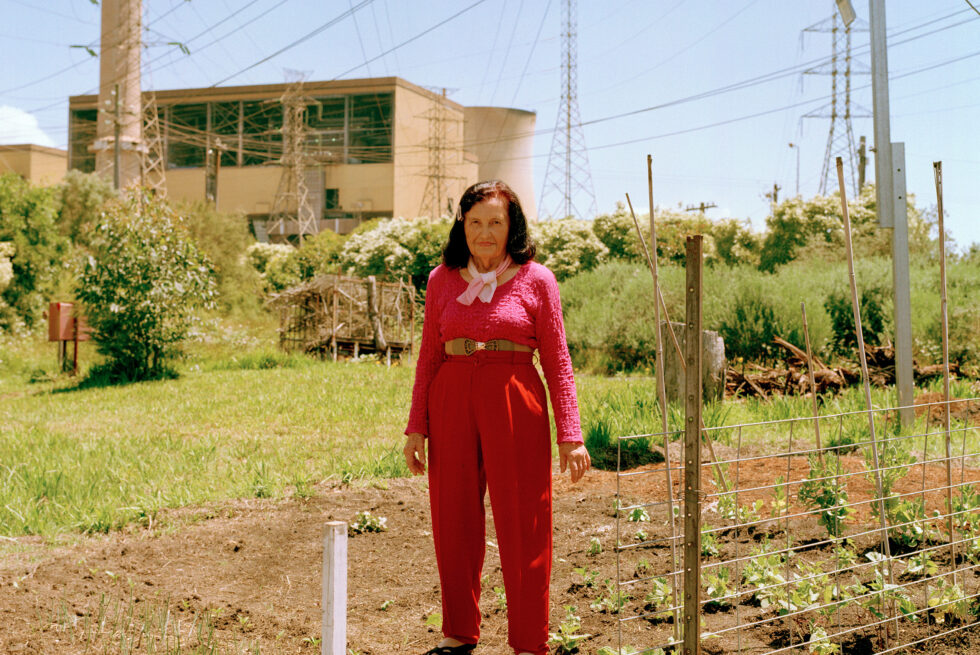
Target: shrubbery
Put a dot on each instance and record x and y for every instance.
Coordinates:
(140, 286)
(396, 249)
(567, 246)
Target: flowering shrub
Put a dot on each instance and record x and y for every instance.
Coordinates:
(275, 263)
(139, 287)
(396, 249)
(568, 246)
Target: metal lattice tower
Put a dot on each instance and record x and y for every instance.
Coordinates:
(154, 166)
(840, 111)
(293, 202)
(567, 176)
(436, 200)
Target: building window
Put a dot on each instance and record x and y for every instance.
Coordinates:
(331, 199)
(82, 125)
(187, 130)
(369, 128)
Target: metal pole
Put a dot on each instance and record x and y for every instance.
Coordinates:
(692, 451)
(891, 209)
(796, 146)
(334, 626)
(902, 282)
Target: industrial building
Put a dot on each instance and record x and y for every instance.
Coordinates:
(39, 165)
(345, 151)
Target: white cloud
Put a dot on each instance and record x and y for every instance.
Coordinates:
(17, 126)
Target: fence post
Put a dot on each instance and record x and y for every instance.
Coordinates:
(334, 601)
(692, 450)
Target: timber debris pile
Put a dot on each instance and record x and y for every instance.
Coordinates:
(754, 380)
(333, 315)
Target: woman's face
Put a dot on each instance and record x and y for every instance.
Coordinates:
(486, 226)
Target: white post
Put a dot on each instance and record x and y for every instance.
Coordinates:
(334, 627)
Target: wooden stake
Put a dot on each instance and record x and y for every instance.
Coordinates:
(856, 306)
(813, 386)
(333, 326)
(938, 170)
(334, 583)
(692, 451)
(677, 348)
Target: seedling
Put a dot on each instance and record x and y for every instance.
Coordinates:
(717, 586)
(922, 565)
(820, 643)
(780, 498)
(659, 597)
(638, 514)
(947, 601)
(566, 639)
(823, 491)
(501, 596)
(385, 605)
(612, 602)
(709, 544)
(367, 522)
(641, 536)
(588, 577)
(434, 619)
(642, 567)
(595, 546)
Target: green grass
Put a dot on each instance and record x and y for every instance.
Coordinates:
(244, 420)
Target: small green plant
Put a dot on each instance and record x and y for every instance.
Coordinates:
(588, 577)
(820, 643)
(717, 585)
(764, 571)
(566, 638)
(434, 620)
(638, 514)
(501, 597)
(385, 605)
(641, 536)
(627, 650)
(947, 601)
(366, 522)
(659, 598)
(595, 546)
(877, 594)
(780, 498)
(642, 567)
(844, 556)
(823, 491)
(612, 601)
(922, 564)
(740, 514)
(709, 544)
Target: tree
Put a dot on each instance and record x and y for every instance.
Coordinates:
(140, 286)
(28, 222)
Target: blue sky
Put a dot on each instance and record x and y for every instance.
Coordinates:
(634, 56)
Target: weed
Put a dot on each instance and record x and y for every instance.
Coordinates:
(501, 597)
(366, 522)
(588, 577)
(595, 546)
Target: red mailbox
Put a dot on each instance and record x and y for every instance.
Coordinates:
(61, 327)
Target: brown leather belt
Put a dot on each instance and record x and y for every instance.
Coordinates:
(463, 346)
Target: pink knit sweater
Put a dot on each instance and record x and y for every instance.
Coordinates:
(525, 309)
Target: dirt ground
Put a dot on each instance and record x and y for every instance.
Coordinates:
(254, 567)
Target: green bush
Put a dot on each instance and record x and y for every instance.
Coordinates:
(396, 249)
(275, 264)
(224, 237)
(139, 286)
(568, 246)
(751, 325)
(874, 322)
(28, 221)
(82, 198)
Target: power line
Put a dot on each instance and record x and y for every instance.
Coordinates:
(305, 37)
(973, 7)
(414, 38)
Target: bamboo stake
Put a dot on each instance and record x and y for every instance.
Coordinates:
(677, 347)
(938, 170)
(661, 391)
(813, 384)
(856, 307)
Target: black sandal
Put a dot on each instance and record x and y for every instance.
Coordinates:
(451, 650)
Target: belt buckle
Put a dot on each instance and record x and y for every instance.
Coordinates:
(471, 346)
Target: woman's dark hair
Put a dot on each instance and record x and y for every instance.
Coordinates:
(521, 249)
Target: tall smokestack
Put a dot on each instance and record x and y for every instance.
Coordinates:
(119, 135)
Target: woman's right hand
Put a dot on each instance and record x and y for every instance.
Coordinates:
(415, 453)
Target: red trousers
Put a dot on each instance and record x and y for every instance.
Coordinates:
(488, 429)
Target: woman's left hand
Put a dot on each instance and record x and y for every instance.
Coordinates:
(573, 456)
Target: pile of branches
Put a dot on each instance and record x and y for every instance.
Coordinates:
(793, 379)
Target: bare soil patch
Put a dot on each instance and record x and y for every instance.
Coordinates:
(258, 562)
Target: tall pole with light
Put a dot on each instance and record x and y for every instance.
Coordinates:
(796, 146)
(891, 201)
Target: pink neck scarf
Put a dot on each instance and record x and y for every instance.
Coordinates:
(483, 285)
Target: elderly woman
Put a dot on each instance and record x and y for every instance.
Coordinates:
(479, 403)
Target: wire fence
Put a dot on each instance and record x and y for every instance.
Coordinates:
(846, 532)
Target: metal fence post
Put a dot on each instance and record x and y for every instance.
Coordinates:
(334, 602)
(692, 450)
